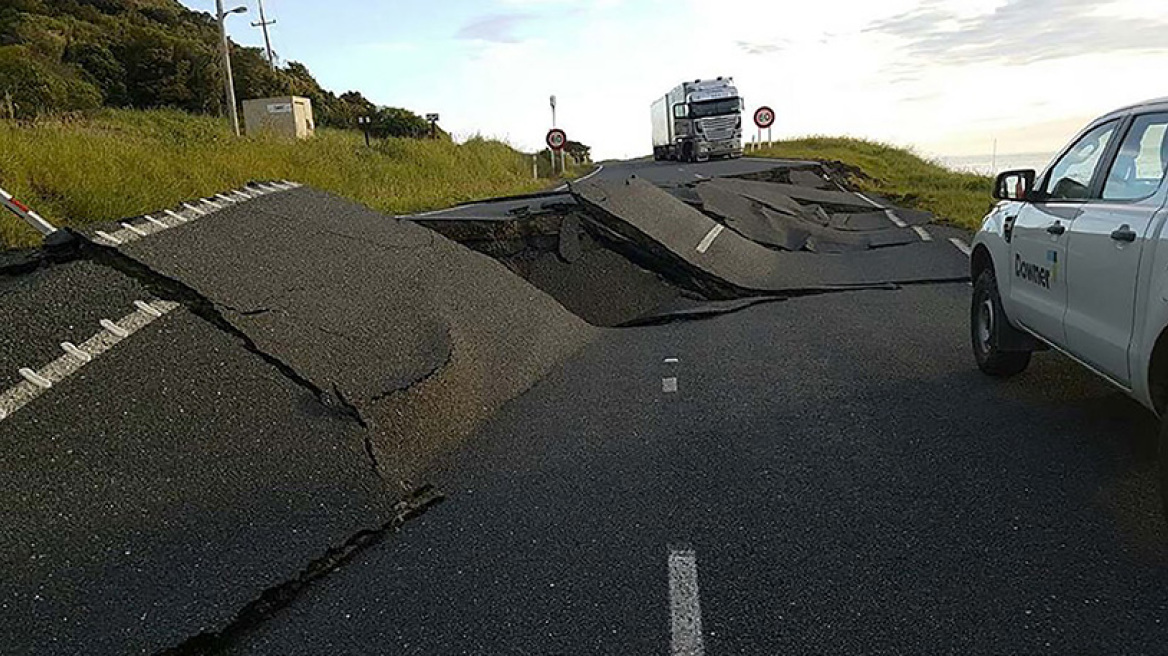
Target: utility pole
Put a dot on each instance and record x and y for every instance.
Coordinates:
(264, 23)
(228, 81)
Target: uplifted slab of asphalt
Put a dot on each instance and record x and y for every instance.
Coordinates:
(787, 229)
(165, 485)
(420, 336)
(694, 245)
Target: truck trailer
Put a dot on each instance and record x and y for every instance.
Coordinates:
(698, 120)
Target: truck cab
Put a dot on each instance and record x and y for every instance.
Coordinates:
(1073, 258)
(697, 121)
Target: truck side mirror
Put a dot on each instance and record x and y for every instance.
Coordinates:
(1014, 185)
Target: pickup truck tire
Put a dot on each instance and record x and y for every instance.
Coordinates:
(987, 321)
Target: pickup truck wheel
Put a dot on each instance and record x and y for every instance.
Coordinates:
(986, 324)
(1164, 466)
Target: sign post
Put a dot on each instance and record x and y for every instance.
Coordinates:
(556, 141)
(433, 119)
(364, 122)
(764, 117)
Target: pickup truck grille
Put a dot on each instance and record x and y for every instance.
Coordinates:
(719, 128)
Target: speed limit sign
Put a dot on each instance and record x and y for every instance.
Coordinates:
(556, 139)
(764, 117)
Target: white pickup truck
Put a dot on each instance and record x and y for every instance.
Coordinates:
(1076, 259)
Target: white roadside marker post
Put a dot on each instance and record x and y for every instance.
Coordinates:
(30, 217)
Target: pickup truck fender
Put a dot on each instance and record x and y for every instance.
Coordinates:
(1148, 353)
(990, 248)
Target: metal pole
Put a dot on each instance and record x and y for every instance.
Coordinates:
(553, 155)
(535, 166)
(264, 23)
(21, 210)
(228, 81)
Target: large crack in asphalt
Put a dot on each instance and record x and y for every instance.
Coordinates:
(282, 595)
(171, 289)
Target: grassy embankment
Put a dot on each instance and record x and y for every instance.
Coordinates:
(125, 163)
(900, 175)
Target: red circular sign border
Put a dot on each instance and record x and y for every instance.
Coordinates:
(760, 110)
(559, 132)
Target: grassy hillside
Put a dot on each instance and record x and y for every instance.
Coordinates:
(123, 163)
(899, 175)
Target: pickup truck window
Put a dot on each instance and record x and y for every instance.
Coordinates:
(1070, 178)
(1139, 167)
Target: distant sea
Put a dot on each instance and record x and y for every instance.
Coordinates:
(990, 165)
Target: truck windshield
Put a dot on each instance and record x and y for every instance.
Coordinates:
(715, 107)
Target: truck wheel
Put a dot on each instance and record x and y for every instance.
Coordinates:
(987, 321)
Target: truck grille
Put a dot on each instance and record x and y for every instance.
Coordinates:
(719, 128)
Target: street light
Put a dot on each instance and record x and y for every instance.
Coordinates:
(227, 79)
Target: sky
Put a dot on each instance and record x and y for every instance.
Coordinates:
(947, 77)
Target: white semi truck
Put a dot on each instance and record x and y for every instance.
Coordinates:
(698, 120)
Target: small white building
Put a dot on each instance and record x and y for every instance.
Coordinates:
(289, 116)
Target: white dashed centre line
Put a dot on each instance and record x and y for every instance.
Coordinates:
(896, 221)
(685, 609)
(704, 245)
(961, 245)
(924, 234)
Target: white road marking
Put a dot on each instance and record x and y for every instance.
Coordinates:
(870, 201)
(227, 198)
(896, 221)
(156, 222)
(704, 245)
(598, 170)
(71, 349)
(197, 211)
(114, 329)
(132, 228)
(214, 205)
(75, 357)
(672, 360)
(148, 309)
(961, 245)
(924, 234)
(175, 216)
(669, 385)
(685, 609)
(35, 378)
(108, 237)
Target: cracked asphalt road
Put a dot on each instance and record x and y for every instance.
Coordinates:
(848, 481)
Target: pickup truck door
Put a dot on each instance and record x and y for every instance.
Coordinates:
(1038, 244)
(1106, 244)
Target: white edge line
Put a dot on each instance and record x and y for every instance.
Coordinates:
(598, 170)
(924, 234)
(194, 209)
(75, 357)
(156, 222)
(685, 609)
(708, 240)
(176, 216)
(869, 200)
(961, 245)
(896, 220)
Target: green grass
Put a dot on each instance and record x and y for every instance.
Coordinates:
(899, 175)
(125, 163)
